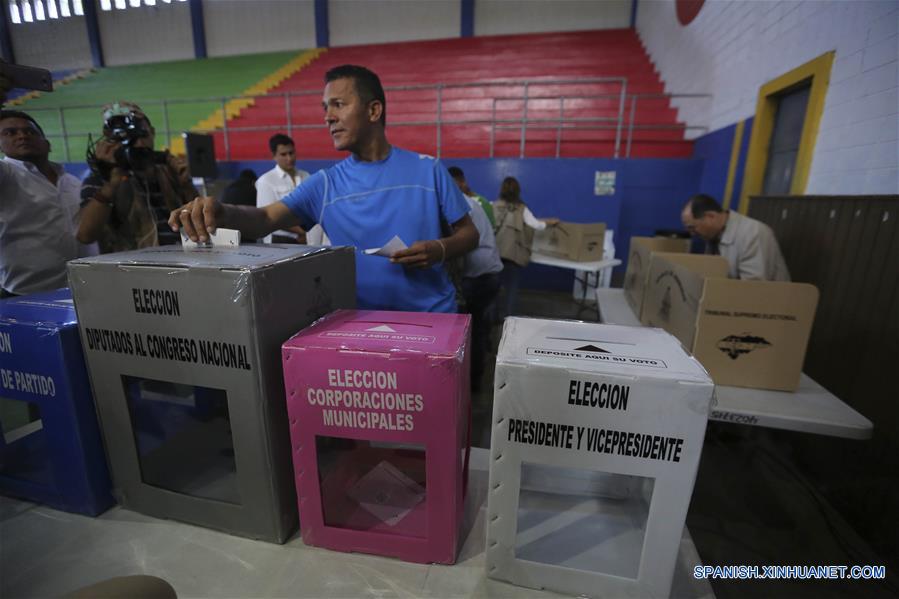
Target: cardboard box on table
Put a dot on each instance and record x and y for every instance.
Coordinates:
(50, 447)
(638, 260)
(379, 407)
(664, 286)
(597, 433)
(579, 242)
(745, 333)
(183, 349)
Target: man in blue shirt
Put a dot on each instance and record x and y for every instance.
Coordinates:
(378, 192)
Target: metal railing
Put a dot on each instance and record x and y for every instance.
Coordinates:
(631, 121)
(624, 124)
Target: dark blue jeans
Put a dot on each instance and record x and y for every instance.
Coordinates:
(511, 277)
(480, 293)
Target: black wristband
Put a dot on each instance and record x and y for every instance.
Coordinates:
(98, 197)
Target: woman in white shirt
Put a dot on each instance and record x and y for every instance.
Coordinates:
(515, 226)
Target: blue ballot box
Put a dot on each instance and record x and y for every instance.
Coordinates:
(51, 451)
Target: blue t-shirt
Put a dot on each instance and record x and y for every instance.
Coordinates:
(364, 204)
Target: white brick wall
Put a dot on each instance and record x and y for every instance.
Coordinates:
(497, 17)
(34, 43)
(733, 48)
(234, 28)
(353, 22)
(146, 34)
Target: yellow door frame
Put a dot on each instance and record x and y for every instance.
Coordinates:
(732, 165)
(817, 72)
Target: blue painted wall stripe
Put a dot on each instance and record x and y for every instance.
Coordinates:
(5, 36)
(93, 33)
(199, 29)
(467, 28)
(322, 26)
(714, 149)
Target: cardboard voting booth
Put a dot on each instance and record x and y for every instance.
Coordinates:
(579, 242)
(183, 349)
(379, 408)
(745, 333)
(597, 433)
(664, 285)
(50, 448)
(638, 259)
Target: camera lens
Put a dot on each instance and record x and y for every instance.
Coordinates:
(126, 129)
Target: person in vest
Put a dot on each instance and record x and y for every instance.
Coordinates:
(515, 226)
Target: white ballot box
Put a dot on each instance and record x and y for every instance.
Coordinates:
(597, 433)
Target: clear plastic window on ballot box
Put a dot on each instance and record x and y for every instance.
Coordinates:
(373, 486)
(582, 519)
(183, 438)
(24, 453)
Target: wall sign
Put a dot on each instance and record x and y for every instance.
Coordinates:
(604, 183)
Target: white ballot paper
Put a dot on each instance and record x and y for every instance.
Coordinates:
(386, 493)
(394, 245)
(221, 238)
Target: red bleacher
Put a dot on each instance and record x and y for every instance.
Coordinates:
(457, 63)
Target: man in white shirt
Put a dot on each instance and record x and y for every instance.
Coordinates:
(39, 204)
(280, 181)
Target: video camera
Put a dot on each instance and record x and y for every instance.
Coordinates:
(125, 126)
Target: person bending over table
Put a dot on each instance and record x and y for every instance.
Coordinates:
(748, 245)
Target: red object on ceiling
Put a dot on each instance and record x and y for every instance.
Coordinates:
(687, 10)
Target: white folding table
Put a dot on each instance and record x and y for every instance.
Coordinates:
(585, 273)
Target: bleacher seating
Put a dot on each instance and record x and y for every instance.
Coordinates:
(147, 84)
(481, 84)
(567, 56)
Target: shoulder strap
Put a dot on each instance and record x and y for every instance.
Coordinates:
(499, 226)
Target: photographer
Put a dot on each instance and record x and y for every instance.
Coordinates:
(126, 200)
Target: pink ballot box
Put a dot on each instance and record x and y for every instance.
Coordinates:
(379, 410)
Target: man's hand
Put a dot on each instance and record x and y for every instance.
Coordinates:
(421, 254)
(552, 222)
(107, 193)
(105, 150)
(198, 218)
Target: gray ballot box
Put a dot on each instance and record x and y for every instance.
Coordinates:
(183, 348)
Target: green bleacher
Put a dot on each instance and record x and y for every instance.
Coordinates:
(147, 85)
